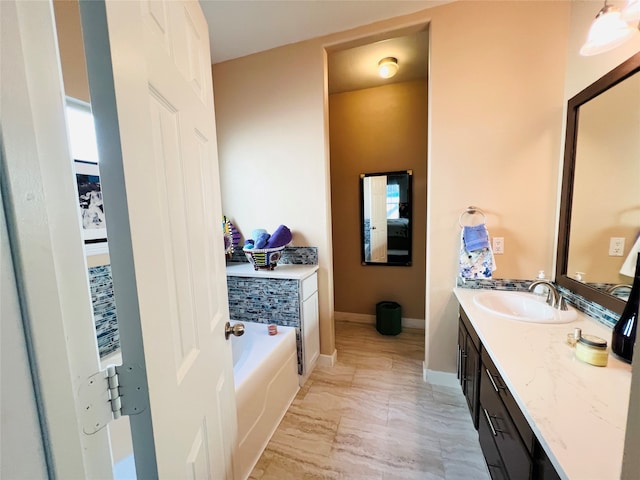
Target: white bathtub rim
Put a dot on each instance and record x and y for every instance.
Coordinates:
(241, 374)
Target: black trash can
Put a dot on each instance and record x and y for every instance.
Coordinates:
(388, 318)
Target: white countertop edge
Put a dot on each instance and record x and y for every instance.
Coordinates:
(579, 411)
(282, 271)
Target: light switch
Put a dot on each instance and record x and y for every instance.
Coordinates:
(498, 245)
(616, 246)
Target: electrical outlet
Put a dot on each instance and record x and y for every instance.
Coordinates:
(616, 246)
(498, 245)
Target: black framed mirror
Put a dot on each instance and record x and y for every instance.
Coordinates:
(600, 200)
(385, 218)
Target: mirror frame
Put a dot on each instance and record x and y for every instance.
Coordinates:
(615, 76)
(409, 260)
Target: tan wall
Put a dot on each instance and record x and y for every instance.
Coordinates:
(74, 67)
(495, 121)
(496, 117)
(377, 130)
(273, 153)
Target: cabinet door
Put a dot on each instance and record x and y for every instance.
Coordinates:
(310, 331)
(462, 337)
(472, 380)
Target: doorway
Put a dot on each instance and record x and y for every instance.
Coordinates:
(377, 125)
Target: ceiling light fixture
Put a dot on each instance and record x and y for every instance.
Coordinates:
(388, 67)
(607, 31)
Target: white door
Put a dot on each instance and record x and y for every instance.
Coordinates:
(378, 203)
(175, 288)
(164, 227)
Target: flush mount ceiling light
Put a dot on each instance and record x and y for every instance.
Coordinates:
(607, 31)
(388, 67)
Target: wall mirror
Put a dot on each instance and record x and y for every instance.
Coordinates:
(385, 213)
(600, 201)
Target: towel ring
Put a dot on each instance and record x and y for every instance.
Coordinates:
(471, 211)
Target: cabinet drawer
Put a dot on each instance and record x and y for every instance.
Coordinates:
(309, 286)
(493, 380)
(490, 451)
(514, 454)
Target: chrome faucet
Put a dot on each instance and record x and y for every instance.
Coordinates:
(554, 298)
(616, 287)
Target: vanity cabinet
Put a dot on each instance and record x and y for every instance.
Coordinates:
(469, 364)
(510, 447)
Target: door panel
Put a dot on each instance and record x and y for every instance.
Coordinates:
(165, 121)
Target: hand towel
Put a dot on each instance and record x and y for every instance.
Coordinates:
(476, 264)
(629, 265)
(255, 233)
(280, 237)
(261, 241)
(475, 237)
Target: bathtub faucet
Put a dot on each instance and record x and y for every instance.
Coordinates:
(236, 330)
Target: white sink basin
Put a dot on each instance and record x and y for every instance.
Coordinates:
(524, 307)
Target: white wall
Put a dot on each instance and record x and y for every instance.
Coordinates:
(21, 449)
(273, 158)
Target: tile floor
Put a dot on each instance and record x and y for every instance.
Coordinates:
(372, 417)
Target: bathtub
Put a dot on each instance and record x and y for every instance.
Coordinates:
(265, 371)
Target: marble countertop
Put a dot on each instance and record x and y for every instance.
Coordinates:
(577, 411)
(292, 272)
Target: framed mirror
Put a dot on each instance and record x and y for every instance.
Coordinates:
(600, 201)
(385, 218)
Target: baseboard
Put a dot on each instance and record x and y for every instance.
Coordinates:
(354, 317)
(371, 319)
(328, 360)
(435, 377)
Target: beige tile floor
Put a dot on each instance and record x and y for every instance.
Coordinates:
(372, 417)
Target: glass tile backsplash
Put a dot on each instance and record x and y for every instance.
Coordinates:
(104, 309)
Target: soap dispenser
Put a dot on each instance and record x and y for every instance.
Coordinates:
(540, 289)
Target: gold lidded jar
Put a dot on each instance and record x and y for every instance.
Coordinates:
(592, 350)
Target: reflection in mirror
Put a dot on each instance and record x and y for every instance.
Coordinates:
(600, 208)
(385, 212)
(605, 216)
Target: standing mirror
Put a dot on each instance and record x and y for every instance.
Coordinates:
(600, 203)
(385, 213)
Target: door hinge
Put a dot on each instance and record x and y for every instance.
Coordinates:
(107, 395)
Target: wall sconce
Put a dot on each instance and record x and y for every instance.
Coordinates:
(388, 67)
(609, 29)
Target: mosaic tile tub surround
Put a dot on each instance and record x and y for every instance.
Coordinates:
(104, 304)
(594, 310)
(270, 300)
(104, 309)
(290, 256)
(267, 300)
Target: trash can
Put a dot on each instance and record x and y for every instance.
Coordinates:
(388, 318)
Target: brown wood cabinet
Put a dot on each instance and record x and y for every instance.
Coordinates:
(469, 365)
(510, 447)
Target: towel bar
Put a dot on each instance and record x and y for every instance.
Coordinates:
(471, 210)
